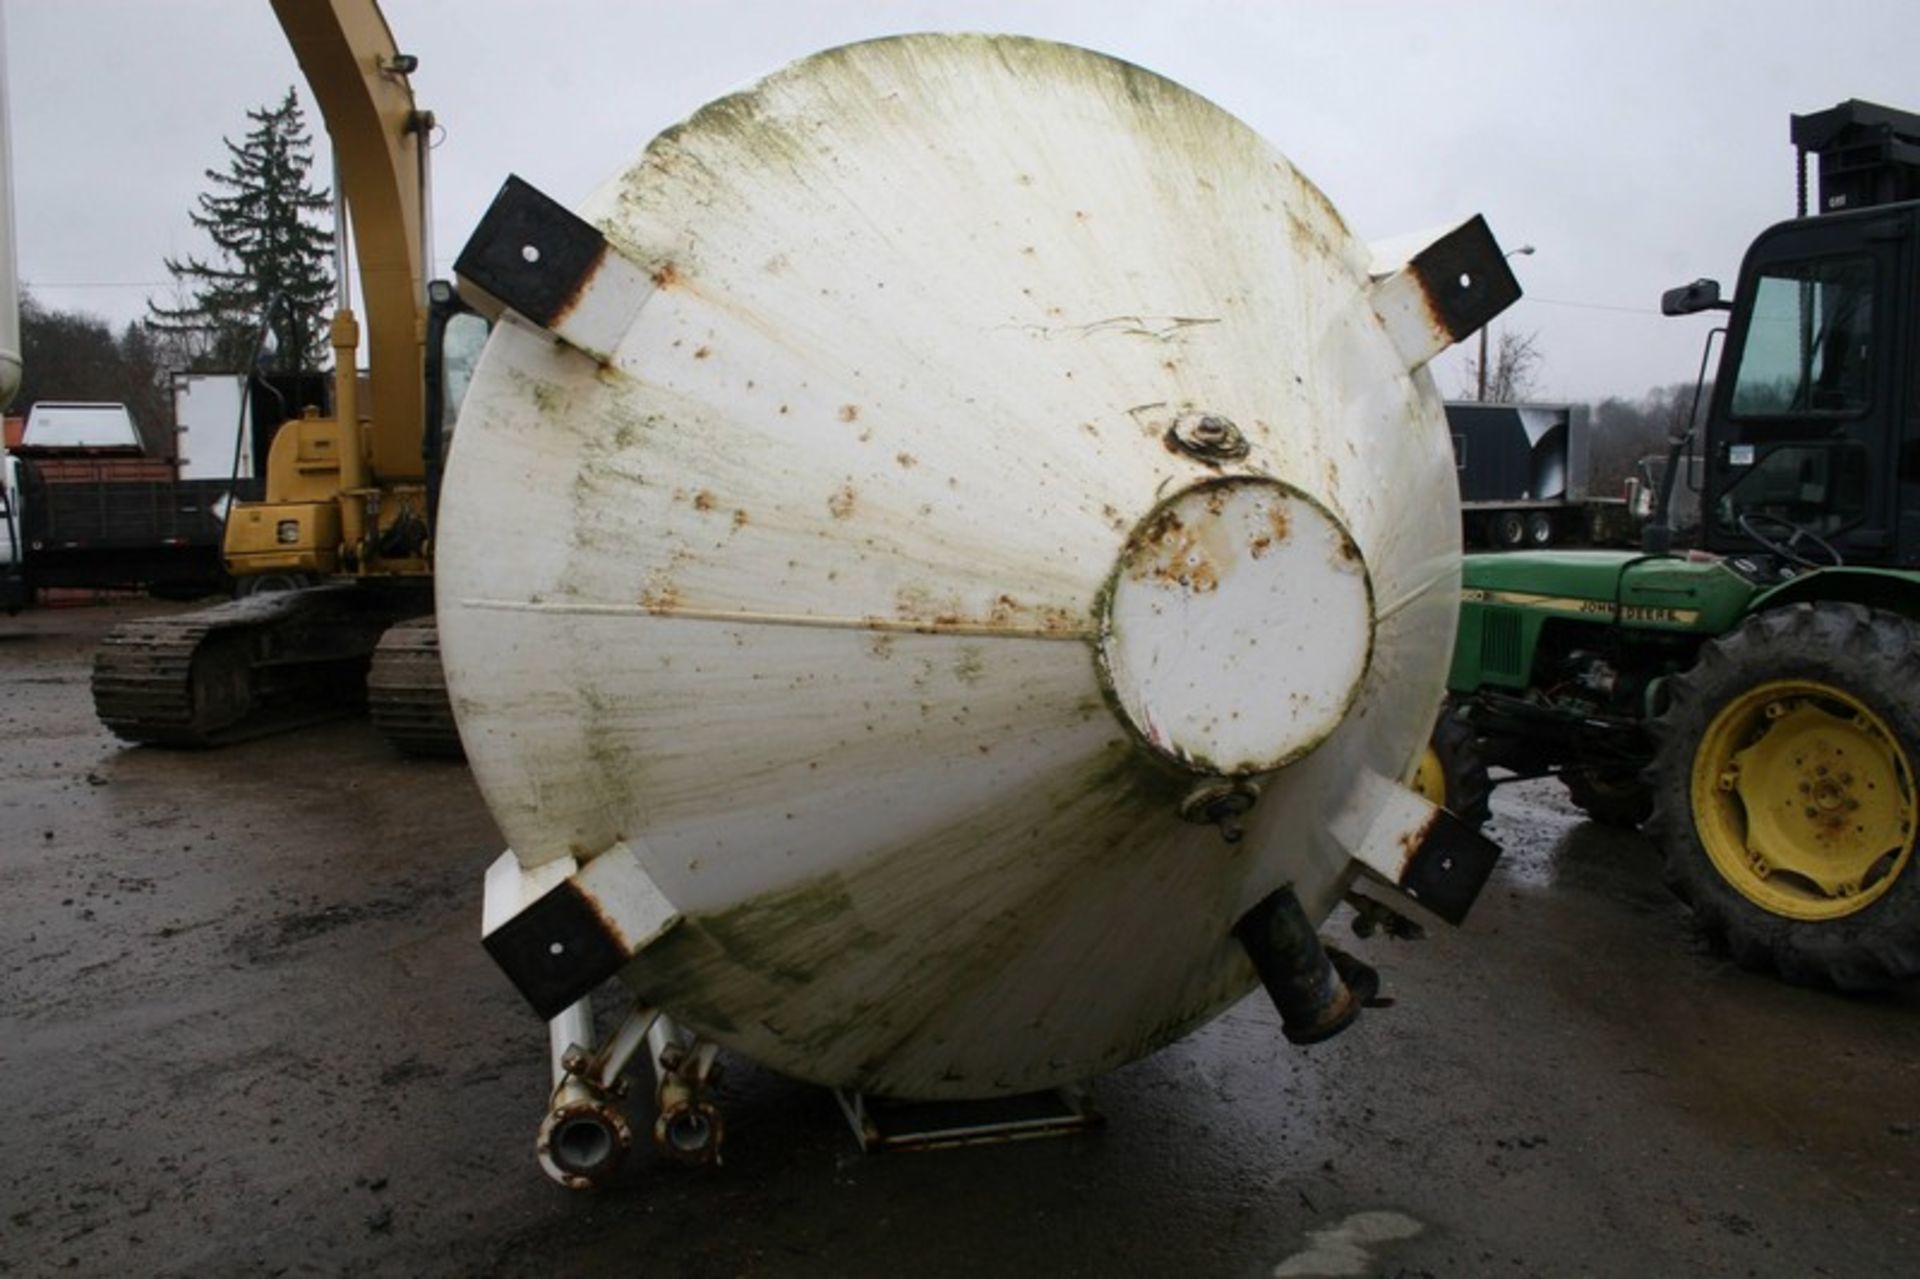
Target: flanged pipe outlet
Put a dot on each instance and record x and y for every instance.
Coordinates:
(1238, 626)
(690, 1132)
(583, 1143)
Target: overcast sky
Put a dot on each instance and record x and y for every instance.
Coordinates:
(1637, 146)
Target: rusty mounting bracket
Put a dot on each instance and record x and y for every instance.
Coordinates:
(534, 256)
(1433, 290)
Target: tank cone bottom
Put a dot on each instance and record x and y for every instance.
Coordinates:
(1318, 992)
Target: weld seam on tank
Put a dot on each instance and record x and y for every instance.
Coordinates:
(749, 617)
(1314, 1002)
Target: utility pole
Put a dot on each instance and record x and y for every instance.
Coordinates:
(1521, 252)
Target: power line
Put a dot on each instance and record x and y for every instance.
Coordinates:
(1589, 306)
(95, 284)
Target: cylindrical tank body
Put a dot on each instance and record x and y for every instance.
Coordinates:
(1006, 473)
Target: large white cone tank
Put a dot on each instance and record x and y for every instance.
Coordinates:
(1000, 450)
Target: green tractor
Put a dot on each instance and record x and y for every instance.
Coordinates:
(1755, 700)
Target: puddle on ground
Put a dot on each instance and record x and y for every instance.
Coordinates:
(1346, 1249)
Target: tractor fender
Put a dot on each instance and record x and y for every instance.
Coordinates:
(1889, 590)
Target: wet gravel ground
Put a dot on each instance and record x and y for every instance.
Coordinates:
(246, 1027)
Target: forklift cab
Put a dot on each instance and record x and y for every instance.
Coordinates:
(1809, 431)
(1812, 453)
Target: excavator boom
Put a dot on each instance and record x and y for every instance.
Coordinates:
(358, 76)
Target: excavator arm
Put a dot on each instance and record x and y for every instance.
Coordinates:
(359, 78)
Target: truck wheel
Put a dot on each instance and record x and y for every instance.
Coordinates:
(1784, 793)
(1507, 529)
(1611, 796)
(1452, 773)
(1539, 530)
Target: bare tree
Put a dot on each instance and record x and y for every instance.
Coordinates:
(1510, 369)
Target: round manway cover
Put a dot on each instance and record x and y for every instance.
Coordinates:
(1005, 458)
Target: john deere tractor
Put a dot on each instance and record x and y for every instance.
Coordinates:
(1755, 699)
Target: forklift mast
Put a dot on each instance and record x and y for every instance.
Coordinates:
(1869, 155)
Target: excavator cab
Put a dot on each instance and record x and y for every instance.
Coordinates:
(322, 516)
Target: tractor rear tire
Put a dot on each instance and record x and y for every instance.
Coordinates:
(1612, 796)
(1452, 771)
(1784, 793)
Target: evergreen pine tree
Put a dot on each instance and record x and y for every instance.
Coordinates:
(260, 217)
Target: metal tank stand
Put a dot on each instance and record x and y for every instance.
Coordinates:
(883, 1123)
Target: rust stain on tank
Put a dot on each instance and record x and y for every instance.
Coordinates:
(1177, 558)
(703, 501)
(849, 412)
(603, 920)
(739, 518)
(1413, 841)
(1279, 526)
(906, 460)
(922, 612)
(572, 300)
(666, 275)
(1279, 522)
(702, 352)
(842, 502)
(1346, 556)
(663, 597)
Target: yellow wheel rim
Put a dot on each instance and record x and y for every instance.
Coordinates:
(1430, 777)
(1804, 800)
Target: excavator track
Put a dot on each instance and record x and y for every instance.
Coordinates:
(259, 665)
(407, 692)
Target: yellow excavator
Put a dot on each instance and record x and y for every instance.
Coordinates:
(334, 564)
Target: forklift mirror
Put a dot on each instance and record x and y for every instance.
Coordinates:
(1689, 299)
